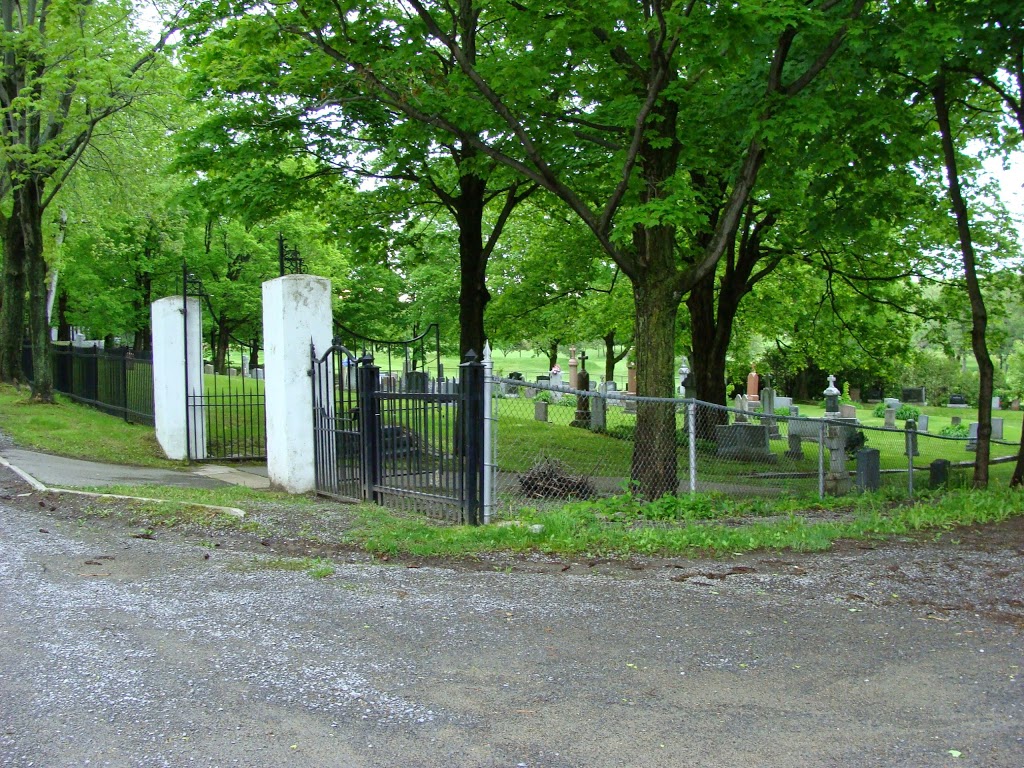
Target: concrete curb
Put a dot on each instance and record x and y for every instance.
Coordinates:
(37, 486)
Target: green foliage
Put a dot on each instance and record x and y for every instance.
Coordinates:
(903, 413)
(955, 430)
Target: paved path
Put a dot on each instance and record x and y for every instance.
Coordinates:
(60, 472)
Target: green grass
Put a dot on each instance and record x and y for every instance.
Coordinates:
(77, 431)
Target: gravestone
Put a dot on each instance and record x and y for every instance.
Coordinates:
(753, 385)
(890, 418)
(540, 410)
(847, 411)
(955, 421)
(938, 473)
(997, 428)
(922, 422)
(574, 366)
(629, 406)
(582, 417)
(768, 409)
(972, 436)
(783, 402)
(207, 369)
(892, 402)
(913, 394)
(744, 441)
(800, 429)
(997, 403)
(245, 367)
(1015, 404)
(869, 469)
(599, 410)
(956, 400)
(258, 374)
(741, 408)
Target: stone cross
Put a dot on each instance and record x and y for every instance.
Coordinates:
(831, 381)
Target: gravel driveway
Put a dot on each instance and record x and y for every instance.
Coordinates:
(122, 651)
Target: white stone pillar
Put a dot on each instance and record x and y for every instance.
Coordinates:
(176, 423)
(296, 311)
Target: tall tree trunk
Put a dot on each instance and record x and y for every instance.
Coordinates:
(1017, 481)
(35, 274)
(12, 312)
(63, 326)
(473, 294)
(979, 316)
(553, 353)
(221, 350)
(657, 301)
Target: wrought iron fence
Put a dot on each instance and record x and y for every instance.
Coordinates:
(553, 444)
(233, 407)
(115, 381)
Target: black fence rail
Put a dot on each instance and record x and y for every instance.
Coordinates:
(115, 381)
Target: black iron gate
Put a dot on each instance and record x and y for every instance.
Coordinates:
(407, 442)
(226, 411)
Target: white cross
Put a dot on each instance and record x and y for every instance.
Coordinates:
(831, 381)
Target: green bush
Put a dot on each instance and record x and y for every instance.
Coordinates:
(569, 401)
(955, 430)
(907, 412)
(544, 396)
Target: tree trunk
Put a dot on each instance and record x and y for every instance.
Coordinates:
(254, 354)
(35, 274)
(654, 465)
(221, 350)
(1017, 480)
(979, 315)
(609, 356)
(63, 326)
(553, 354)
(473, 294)
(12, 312)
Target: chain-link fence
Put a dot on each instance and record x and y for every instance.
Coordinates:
(552, 444)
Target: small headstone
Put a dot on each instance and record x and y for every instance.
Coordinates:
(794, 449)
(794, 410)
(245, 368)
(741, 407)
(233, 372)
(599, 411)
(955, 421)
(997, 428)
(258, 374)
(847, 411)
(540, 410)
(1015, 404)
(783, 402)
(208, 369)
(972, 436)
(997, 403)
(890, 418)
(922, 422)
(892, 402)
(938, 473)
(869, 469)
(957, 400)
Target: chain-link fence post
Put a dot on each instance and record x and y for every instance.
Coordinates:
(691, 431)
(821, 459)
(488, 447)
(911, 440)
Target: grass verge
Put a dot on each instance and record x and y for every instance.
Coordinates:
(77, 431)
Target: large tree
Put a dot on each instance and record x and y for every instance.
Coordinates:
(68, 65)
(607, 106)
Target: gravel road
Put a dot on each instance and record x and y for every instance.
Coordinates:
(122, 651)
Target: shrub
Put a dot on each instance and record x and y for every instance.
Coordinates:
(955, 430)
(907, 412)
(544, 396)
(569, 401)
